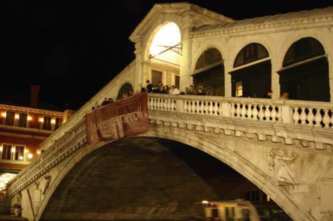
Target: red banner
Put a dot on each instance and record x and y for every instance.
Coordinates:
(119, 119)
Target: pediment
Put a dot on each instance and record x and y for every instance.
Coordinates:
(196, 17)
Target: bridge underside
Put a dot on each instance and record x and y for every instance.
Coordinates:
(138, 179)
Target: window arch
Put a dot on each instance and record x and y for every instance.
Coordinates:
(304, 75)
(125, 90)
(209, 57)
(303, 49)
(166, 44)
(250, 53)
(208, 76)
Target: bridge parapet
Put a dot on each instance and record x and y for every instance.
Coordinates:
(314, 114)
(309, 124)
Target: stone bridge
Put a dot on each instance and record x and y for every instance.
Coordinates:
(282, 146)
(273, 144)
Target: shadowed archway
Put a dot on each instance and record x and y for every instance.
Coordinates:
(304, 75)
(146, 179)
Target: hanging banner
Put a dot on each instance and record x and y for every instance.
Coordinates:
(119, 119)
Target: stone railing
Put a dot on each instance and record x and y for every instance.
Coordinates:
(71, 141)
(317, 114)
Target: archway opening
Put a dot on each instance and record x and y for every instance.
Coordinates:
(304, 75)
(164, 57)
(208, 76)
(251, 76)
(168, 180)
(125, 90)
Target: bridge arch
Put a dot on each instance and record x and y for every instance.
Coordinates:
(236, 162)
(221, 151)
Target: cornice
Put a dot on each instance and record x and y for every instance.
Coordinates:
(178, 9)
(275, 23)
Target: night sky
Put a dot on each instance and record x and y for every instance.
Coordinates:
(73, 48)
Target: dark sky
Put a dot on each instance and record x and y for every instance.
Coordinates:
(73, 48)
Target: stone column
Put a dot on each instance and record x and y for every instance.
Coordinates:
(227, 75)
(275, 77)
(139, 61)
(186, 59)
(330, 75)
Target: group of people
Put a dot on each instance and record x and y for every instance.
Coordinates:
(160, 88)
(108, 100)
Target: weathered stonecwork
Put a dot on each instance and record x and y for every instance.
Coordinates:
(282, 146)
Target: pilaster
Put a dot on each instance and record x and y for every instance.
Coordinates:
(186, 59)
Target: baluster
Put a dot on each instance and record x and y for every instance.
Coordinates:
(326, 119)
(267, 113)
(273, 113)
(317, 118)
(216, 108)
(249, 111)
(244, 111)
(233, 111)
(303, 116)
(255, 112)
(310, 117)
(211, 110)
(261, 113)
(296, 115)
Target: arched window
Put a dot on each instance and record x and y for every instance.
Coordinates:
(125, 90)
(304, 75)
(208, 75)
(165, 46)
(251, 76)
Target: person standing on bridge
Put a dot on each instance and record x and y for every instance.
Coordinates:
(149, 87)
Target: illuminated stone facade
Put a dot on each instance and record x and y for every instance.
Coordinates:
(282, 146)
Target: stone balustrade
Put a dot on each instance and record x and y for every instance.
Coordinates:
(317, 114)
(296, 113)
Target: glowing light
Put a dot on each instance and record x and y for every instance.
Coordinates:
(29, 118)
(38, 152)
(26, 150)
(4, 114)
(30, 156)
(166, 43)
(6, 178)
(20, 157)
(204, 202)
(41, 120)
(17, 116)
(13, 150)
(53, 121)
(1, 148)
